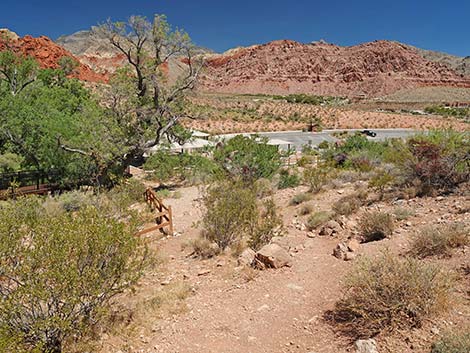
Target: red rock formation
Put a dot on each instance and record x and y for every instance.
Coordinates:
(283, 67)
(48, 54)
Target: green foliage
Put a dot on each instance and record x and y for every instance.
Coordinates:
(231, 212)
(307, 99)
(460, 113)
(376, 226)
(381, 180)
(288, 179)
(10, 162)
(389, 293)
(59, 272)
(269, 225)
(183, 167)
(250, 158)
(453, 342)
(16, 71)
(316, 177)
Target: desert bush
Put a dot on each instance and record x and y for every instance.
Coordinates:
(263, 187)
(316, 177)
(381, 180)
(439, 240)
(60, 272)
(440, 161)
(249, 158)
(376, 226)
(299, 198)
(269, 225)
(403, 213)
(288, 179)
(453, 342)
(127, 193)
(349, 204)
(231, 212)
(318, 218)
(202, 248)
(387, 293)
(305, 210)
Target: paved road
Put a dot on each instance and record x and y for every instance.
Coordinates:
(298, 138)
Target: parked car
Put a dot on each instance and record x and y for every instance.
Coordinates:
(369, 133)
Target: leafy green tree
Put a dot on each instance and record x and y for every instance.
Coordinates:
(16, 71)
(59, 272)
(250, 158)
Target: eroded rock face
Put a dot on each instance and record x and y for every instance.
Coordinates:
(283, 67)
(273, 256)
(48, 54)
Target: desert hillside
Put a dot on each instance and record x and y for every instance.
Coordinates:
(282, 67)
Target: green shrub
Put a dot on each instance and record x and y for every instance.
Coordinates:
(269, 225)
(231, 212)
(249, 158)
(300, 198)
(453, 342)
(66, 269)
(388, 293)
(376, 226)
(288, 180)
(318, 218)
(316, 177)
(439, 240)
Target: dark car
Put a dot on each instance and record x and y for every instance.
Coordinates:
(369, 133)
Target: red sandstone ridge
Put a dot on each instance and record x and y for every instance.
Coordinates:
(48, 54)
(284, 67)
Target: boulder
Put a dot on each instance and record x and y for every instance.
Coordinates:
(273, 256)
(365, 346)
(247, 257)
(340, 251)
(330, 228)
(353, 245)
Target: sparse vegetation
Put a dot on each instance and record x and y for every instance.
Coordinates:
(349, 204)
(376, 226)
(288, 179)
(453, 342)
(299, 198)
(305, 210)
(439, 240)
(316, 177)
(389, 293)
(318, 218)
(403, 213)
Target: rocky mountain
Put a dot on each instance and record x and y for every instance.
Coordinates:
(461, 65)
(370, 69)
(47, 53)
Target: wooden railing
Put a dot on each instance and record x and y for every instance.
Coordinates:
(163, 215)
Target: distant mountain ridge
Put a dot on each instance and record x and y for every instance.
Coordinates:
(370, 69)
(279, 67)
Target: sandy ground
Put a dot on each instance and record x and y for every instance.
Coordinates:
(233, 310)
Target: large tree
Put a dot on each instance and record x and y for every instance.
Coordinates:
(162, 68)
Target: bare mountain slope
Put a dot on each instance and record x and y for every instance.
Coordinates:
(370, 69)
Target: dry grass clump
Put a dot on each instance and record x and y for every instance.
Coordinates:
(202, 248)
(453, 342)
(299, 198)
(403, 213)
(318, 218)
(388, 293)
(349, 204)
(376, 226)
(305, 210)
(439, 240)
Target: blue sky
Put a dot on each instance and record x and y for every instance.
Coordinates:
(218, 24)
